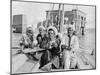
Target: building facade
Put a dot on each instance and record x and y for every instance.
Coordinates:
(79, 19)
(55, 18)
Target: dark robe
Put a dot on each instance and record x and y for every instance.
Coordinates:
(50, 53)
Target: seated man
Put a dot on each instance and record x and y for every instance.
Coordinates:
(52, 50)
(42, 38)
(28, 41)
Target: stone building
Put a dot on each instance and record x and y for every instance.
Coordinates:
(78, 17)
(55, 18)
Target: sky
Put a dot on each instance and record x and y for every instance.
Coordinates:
(35, 12)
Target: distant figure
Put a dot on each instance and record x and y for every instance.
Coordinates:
(28, 41)
(56, 20)
(82, 27)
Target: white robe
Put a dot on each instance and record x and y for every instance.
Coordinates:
(69, 57)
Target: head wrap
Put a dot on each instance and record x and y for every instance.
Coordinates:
(29, 27)
(41, 27)
(53, 28)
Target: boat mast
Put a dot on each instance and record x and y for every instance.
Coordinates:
(61, 17)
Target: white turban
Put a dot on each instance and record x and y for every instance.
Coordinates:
(29, 27)
(41, 27)
(53, 28)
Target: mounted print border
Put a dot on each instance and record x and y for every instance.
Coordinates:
(51, 37)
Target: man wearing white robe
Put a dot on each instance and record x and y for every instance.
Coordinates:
(69, 55)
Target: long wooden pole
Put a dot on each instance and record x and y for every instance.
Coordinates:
(62, 23)
(59, 17)
(62, 18)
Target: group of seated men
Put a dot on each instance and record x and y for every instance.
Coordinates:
(59, 49)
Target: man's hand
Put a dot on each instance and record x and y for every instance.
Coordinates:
(63, 46)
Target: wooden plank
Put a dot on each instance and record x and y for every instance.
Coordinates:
(28, 50)
(36, 49)
(15, 51)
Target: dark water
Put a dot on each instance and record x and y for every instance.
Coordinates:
(86, 42)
